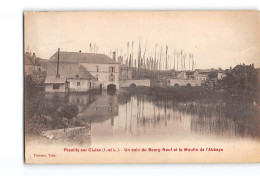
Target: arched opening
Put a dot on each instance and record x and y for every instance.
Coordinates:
(111, 88)
(188, 85)
(132, 85)
(176, 85)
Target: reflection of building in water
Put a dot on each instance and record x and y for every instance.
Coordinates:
(92, 107)
(101, 108)
(100, 113)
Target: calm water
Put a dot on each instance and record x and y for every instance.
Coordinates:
(127, 115)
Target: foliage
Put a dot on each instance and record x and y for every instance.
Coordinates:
(242, 77)
(69, 111)
(29, 86)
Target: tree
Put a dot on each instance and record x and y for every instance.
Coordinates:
(69, 111)
(213, 75)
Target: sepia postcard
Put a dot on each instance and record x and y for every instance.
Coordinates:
(141, 87)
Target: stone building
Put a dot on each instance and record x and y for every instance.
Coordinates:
(84, 71)
(201, 74)
(28, 64)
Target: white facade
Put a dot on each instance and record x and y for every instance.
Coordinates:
(182, 75)
(55, 87)
(80, 85)
(221, 75)
(105, 74)
(201, 77)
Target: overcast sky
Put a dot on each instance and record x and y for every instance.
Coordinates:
(217, 39)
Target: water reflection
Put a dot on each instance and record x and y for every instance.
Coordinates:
(129, 114)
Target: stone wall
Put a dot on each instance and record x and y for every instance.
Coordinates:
(135, 82)
(183, 82)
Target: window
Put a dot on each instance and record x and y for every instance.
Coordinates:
(111, 78)
(89, 84)
(97, 77)
(77, 76)
(56, 86)
(97, 69)
(111, 69)
(78, 83)
(111, 109)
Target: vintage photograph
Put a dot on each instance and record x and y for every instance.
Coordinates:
(141, 87)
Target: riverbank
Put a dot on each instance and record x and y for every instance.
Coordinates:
(190, 93)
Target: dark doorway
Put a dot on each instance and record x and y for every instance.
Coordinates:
(176, 85)
(111, 88)
(188, 85)
(133, 85)
(100, 86)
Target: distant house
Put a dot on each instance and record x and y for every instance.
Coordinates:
(84, 71)
(35, 67)
(202, 75)
(29, 63)
(40, 65)
(182, 75)
(221, 74)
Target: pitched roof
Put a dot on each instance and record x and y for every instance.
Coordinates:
(53, 79)
(41, 62)
(203, 70)
(87, 74)
(69, 70)
(28, 60)
(79, 57)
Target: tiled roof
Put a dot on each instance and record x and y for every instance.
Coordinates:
(41, 62)
(69, 70)
(53, 79)
(87, 74)
(201, 71)
(28, 60)
(79, 57)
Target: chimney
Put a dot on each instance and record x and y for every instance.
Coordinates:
(114, 56)
(58, 75)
